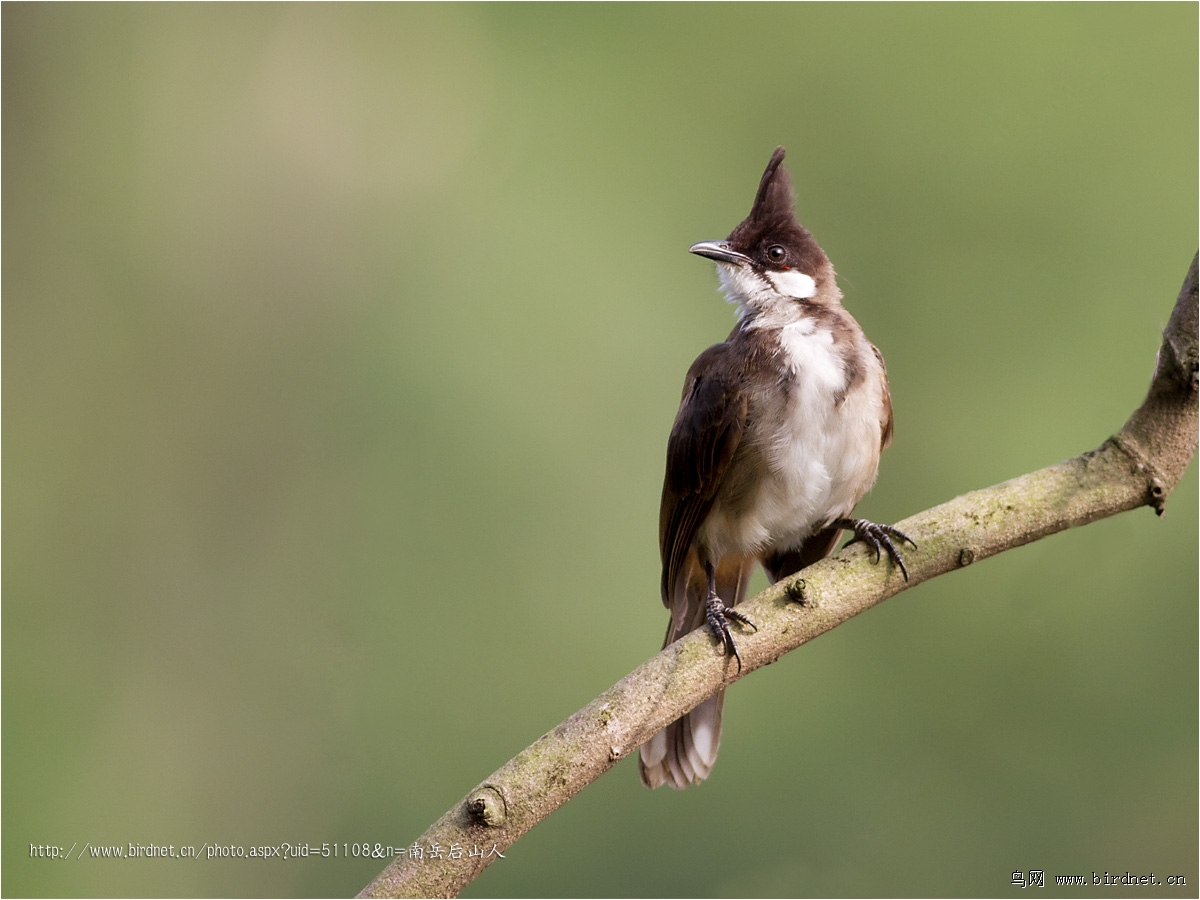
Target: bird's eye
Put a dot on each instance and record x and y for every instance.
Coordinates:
(776, 253)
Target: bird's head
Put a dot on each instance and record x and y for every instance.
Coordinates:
(770, 261)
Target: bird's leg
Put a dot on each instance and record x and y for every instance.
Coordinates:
(719, 615)
(877, 537)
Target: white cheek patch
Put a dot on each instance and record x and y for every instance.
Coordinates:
(793, 284)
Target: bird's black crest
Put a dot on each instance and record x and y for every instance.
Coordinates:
(774, 195)
(773, 220)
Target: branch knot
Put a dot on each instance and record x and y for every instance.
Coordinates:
(487, 807)
(1156, 491)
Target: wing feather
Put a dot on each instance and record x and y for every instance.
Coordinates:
(703, 441)
(885, 421)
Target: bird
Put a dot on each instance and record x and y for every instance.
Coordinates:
(778, 436)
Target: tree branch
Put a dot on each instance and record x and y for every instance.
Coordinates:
(1138, 466)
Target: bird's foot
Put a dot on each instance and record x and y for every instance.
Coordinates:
(719, 616)
(878, 537)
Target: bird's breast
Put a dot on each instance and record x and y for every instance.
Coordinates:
(812, 442)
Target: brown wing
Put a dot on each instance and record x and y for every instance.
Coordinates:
(706, 433)
(885, 422)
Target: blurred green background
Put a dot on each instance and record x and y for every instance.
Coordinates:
(340, 348)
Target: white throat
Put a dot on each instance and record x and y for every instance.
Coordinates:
(763, 294)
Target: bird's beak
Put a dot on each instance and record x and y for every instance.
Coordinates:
(720, 251)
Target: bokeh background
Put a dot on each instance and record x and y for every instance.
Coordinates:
(340, 348)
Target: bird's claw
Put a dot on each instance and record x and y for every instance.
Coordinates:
(719, 616)
(879, 538)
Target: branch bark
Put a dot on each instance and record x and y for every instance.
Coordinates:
(1138, 466)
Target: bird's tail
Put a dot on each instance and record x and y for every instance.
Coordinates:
(683, 753)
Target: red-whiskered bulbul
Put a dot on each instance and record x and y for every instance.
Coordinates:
(777, 437)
